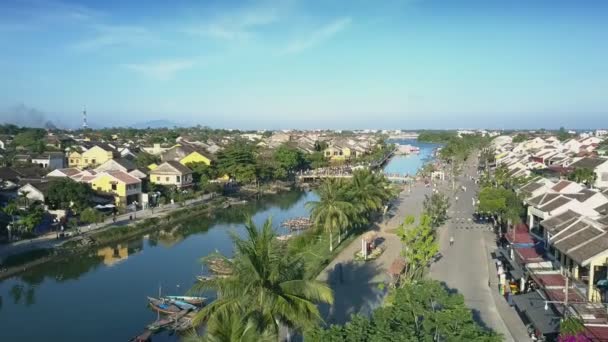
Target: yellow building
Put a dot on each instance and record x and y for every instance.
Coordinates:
(92, 157)
(337, 152)
(171, 173)
(185, 153)
(126, 188)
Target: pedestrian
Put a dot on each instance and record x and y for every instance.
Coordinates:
(451, 240)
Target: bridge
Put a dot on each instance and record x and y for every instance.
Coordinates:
(393, 177)
(404, 135)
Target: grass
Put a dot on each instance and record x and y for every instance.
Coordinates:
(313, 247)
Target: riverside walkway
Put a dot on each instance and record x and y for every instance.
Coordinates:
(50, 240)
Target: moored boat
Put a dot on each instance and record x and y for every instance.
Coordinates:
(163, 306)
(198, 301)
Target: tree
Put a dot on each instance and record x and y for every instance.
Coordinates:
(419, 246)
(143, 160)
(266, 288)
(11, 209)
(436, 208)
(366, 190)
(317, 160)
(420, 311)
(238, 160)
(572, 329)
(66, 193)
(91, 215)
(520, 138)
(583, 175)
(288, 159)
(563, 135)
(32, 219)
(331, 211)
(202, 173)
(30, 139)
(502, 202)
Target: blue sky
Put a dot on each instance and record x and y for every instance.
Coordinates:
(308, 64)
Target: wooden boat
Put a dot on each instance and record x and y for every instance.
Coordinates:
(182, 305)
(219, 265)
(160, 324)
(198, 301)
(163, 306)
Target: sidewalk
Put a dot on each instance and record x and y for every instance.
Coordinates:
(50, 240)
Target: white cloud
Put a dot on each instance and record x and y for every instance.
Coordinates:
(318, 36)
(236, 26)
(161, 70)
(109, 35)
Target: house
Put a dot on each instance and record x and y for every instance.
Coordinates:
(67, 172)
(49, 160)
(535, 187)
(35, 191)
(124, 165)
(579, 244)
(186, 153)
(598, 165)
(9, 178)
(171, 173)
(93, 156)
(125, 188)
(572, 145)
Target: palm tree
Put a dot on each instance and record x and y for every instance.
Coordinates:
(230, 327)
(266, 289)
(11, 209)
(331, 211)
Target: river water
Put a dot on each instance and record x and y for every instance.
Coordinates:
(409, 164)
(101, 296)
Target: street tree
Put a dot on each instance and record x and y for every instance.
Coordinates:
(436, 208)
(91, 215)
(331, 211)
(420, 311)
(66, 194)
(419, 246)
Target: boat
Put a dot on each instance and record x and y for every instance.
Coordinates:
(163, 306)
(182, 305)
(160, 324)
(198, 301)
(219, 265)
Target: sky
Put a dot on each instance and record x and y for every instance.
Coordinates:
(306, 63)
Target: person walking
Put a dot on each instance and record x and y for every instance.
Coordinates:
(451, 241)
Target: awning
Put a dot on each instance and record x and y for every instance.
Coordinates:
(515, 270)
(532, 305)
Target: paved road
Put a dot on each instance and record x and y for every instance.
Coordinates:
(465, 267)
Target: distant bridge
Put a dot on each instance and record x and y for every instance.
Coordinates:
(393, 177)
(406, 135)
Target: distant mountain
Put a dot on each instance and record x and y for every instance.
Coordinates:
(156, 124)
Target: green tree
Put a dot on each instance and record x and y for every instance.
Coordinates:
(317, 160)
(520, 138)
(367, 191)
(202, 173)
(230, 327)
(66, 194)
(32, 219)
(331, 211)
(563, 134)
(30, 139)
(91, 215)
(419, 246)
(502, 202)
(288, 159)
(144, 159)
(420, 311)
(583, 175)
(266, 288)
(436, 208)
(238, 160)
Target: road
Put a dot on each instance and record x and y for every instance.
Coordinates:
(466, 266)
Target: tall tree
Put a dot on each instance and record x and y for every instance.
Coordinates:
(66, 194)
(436, 208)
(330, 212)
(266, 288)
(419, 246)
(583, 175)
(420, 311)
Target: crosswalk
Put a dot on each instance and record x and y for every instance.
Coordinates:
(468, 223)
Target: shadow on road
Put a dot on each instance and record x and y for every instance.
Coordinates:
(355, 286)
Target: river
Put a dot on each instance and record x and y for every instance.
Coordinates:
(409, 164)
(101, 295)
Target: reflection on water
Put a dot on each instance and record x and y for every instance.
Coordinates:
(100, 295)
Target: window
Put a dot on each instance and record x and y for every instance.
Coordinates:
(86, 161)
(178, 178)
(113, 186)
(166, 179)
(158, 178)
(72, 161)
(92, 161)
